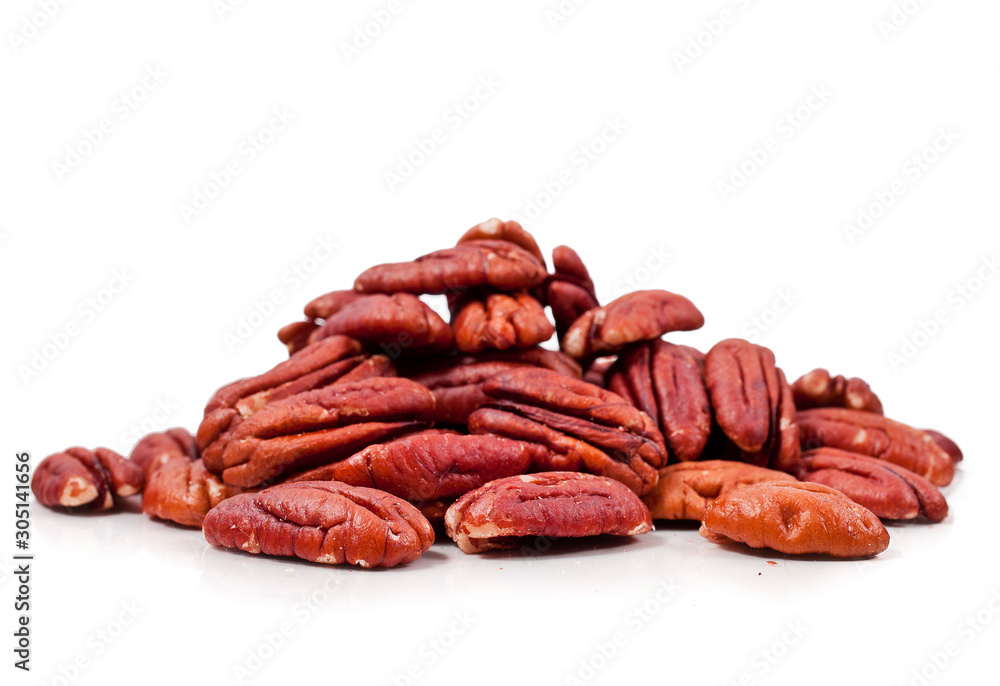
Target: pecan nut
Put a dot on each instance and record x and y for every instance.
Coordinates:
(322, 521)
(795, 517)
(500, 321)
(510, 231)
(583, 426)
(400, 318)
(181, 490)
(818, 389)
(946, 444)
(154, 449)
(685, 489)
(570, 290)
(296, 335)
(637, 316)
(76, 477)
(503, 513)
(877, 436)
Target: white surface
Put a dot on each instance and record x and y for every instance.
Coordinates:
(161, 342)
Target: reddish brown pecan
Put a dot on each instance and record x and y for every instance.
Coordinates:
(638, 316)
(503, 513)
(78, 477)
(685, 489)
(154, 449)
(666, 381)
(888, 490)
(795, 518)
(499, 264)
(399, 319)
(570, 290)
(818, 389)
(329, 304)
(946, 444)
(296, 335)
(753, 403)
(181, 490)
(877, 436)
(583, 426)
(456, 381)
(430, 465)
(322, 521)
(318, 427)
(499, 321)
(597, 372)
(510, 231)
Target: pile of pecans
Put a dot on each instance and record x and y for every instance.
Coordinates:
(387, 423)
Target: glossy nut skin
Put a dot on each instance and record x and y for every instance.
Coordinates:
(499, 321)
(399, 318)
(322, 521)
(667, 382)
(570, 291)
(498, 264)
(818, 389)
(500, 514)
(296, 335)
(181, 490)
(510, 231)
(154, 449)
(637, 316)
(888, 490)
(877, 436)
(946, 444)
(685, 489)
(431, 465)
(796, 518)
(329, 304)
(319, 427)
(583, 426)
(78, 477)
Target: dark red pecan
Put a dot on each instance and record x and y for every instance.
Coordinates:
(296, 335)
(503, 513)
(818, 389)
(877, 436)
(583, 426)
(888, 490)
(335, 359)
(78, 477)
(430, 465)
(154, 449)
(499, 321)
(570, 291)
(322, 521)
(456, 381)
(686, 488)
(946, 444)
(667, 382)
(510, 231)
(795, 518)
(401, 319)
(637, 316)
(321, 426)
(753, 403)
(181, 490)
(499, 264)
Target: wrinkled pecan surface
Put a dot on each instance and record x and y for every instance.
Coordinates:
(154, 449)
(818, 389)
(181, 490)
(76, 477)
(510, 231)
(570, 290)
(401, 319)
(499, 321)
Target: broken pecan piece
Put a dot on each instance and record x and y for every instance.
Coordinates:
(877, 436)
(818, 389)
(400, 318)
(888, 490)
(796, 518)
(570, 290)
(500, 321)
(181, 490)
(503, 513)
(685, 489)
(76, 477)
(322, 521)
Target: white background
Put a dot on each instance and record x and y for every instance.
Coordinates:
(889, 90)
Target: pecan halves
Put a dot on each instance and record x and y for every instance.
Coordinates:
(500, 321)
(154, 449)
(76, 477)
(877, 436)
(322, 521)
(818, 389)
(666, 381)
(181, 490)
(946, 444)
(796, 518)
(510, 231)
(503, 513)
(318, 427)
(401, 319)
(888, 490)
(637, 316)
(582, 425)
(497, 263)
(570, 290)
(685, 489)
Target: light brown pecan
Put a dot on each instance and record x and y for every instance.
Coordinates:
(498, 264)
(667, 382)
(154, 449)
(321, 426)
(877, 436)
(181, 490)
(322, 521)
(685, 489)
(888, 490)
(399, 320)
(503, 513)
(946, 444)
(499, 321)
(818, 389)
(510, 231)
(637, 316)
(796, 518)
(570, 290)
(583, 426)
(76, 477)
